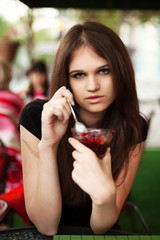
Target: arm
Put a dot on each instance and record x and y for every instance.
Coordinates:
(39, 160)
(41, 183)
(94, 176)
(110, 212)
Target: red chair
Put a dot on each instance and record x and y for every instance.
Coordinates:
(15, 200)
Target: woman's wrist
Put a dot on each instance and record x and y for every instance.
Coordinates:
(108, 196)
(45, 145)
(104, 213)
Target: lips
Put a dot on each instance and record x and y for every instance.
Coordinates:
(94, 99)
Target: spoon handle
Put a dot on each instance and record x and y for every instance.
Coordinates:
(74, 115)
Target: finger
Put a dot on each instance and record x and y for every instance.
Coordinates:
(75, 172)
(77, 145)
(74, 164)
(60, 103)
(53, 113)
(60, 115)
(76, 155)
(107, 153)
(60, 109)
(63, 92)
(63, 106)
(107, 157)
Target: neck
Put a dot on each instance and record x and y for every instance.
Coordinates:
(38, 88)
(91, 120)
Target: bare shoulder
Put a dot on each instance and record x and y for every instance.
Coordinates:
(28, 139)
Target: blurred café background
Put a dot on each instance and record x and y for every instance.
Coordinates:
(38, 32)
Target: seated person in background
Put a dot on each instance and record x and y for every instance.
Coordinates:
(38, 82)
(65, 182)
(10, 107)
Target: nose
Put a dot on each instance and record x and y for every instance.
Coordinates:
(93, 84)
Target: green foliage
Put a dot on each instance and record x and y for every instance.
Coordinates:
(40, 36)
(111, 18)
(147, 15)
(48, 59)
(4, 27)
(114, 18)
(9, 31)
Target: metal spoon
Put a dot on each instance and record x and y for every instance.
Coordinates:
(79, 126)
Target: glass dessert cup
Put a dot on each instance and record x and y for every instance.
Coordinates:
(96, 139)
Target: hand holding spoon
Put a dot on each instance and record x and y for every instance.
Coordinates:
(79, 126)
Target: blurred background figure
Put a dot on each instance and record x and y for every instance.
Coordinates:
(10, 108)
(11, 181)
(38, 82)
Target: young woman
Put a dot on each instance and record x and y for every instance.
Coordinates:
(65, 183)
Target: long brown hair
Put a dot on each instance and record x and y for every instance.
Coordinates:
(122, 115)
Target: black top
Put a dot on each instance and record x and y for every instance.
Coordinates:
(31, 119)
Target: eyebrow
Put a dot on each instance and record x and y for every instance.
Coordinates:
(103, 66)
(79, 70)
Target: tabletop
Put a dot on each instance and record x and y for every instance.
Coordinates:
(102, 237)
(31, 233)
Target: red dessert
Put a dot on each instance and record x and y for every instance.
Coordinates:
(96, 139)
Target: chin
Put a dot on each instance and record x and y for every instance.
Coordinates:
(97, 109)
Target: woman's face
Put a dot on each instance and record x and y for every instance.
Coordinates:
(37, 79)
(91, 81)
